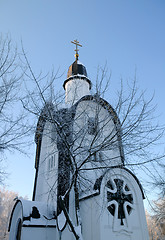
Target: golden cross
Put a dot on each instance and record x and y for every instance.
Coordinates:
(77, 44)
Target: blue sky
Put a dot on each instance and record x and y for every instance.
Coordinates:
(127, 34)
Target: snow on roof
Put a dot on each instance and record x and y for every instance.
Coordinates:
(78, 62)
(37, 213)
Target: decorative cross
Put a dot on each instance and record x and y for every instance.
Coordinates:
(77, 44)
(120, 197)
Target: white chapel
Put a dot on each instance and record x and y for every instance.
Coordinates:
(82, 189)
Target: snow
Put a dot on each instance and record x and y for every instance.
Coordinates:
(77, 75)
(61, 220)
(78, 62)
(45, 212)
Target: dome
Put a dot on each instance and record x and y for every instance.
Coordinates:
(76, 68)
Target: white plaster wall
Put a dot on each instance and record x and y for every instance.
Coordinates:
(107, 131)
(66, 234)
(75, 89)
(34, 233)
(90, 215)
(99, 224)
(135, 226)
(83, 141)
(46, 189)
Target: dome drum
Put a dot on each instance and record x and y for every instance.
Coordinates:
(77, 77)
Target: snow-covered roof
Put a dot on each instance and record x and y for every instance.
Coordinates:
(78, 62)
(36, 213)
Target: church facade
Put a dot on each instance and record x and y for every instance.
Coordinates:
(82, 189)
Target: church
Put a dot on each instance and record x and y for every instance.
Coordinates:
(82, 189)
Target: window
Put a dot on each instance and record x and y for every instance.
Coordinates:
(53, 133)
(92, 126)
(123, 198)
(51, 162)
(96, 157)
(93, 158)
(100, 156)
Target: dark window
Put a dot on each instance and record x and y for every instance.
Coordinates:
(54, 160)
(93, 158)
(100, 156)
(51, 162)
(92, 126)
(96, 157)
(53, 133)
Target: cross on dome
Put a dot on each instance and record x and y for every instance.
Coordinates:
(77, 44)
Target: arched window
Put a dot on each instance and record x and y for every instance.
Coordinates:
(92, 126)
(51, 162)
(53, 133)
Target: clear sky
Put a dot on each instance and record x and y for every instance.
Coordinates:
(127, 34)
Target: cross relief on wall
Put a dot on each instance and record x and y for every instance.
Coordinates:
(119, 201)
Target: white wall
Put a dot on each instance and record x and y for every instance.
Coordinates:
(46, 189)
(75, 89)
(38, 233)
(99, 224)
(106, 137)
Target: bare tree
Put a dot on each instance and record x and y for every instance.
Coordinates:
(12, 119)
(96, 138)
(6, 205)
(159, 214)
(159, 179)
(7, 201)
(155, 221)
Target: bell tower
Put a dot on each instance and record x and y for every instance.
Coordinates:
(77, 83)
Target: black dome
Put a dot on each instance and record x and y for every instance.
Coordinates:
(76, 68)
